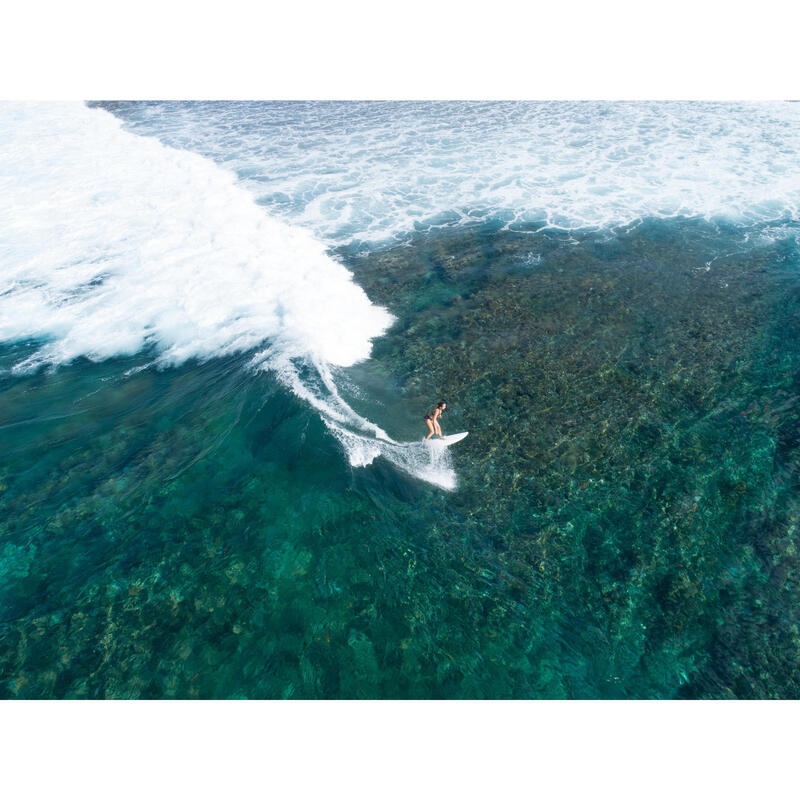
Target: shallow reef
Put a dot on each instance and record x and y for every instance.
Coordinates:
(632, 405)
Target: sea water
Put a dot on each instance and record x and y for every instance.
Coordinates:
(222, 323)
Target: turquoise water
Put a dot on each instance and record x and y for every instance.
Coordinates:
(624, 523)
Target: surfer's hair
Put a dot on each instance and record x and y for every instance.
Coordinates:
(440, 404)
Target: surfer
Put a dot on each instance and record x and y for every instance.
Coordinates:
(432, 420)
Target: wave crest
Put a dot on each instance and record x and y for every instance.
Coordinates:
(113, 241)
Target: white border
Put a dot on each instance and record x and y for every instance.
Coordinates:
(416, 49)
(398, 750)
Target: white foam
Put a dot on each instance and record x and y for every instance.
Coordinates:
(112, 241)
(372, 171)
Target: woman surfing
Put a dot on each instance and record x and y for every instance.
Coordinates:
(432, 420)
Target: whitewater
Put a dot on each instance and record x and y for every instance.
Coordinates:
(373, 172)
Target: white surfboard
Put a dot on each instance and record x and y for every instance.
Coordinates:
(448, 440)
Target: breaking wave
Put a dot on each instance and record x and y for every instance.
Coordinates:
(113, 243)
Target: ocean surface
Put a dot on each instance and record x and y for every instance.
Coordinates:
(222, 323)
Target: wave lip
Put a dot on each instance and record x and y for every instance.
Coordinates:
(113, 241)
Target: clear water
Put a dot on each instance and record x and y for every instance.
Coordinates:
(205, 493)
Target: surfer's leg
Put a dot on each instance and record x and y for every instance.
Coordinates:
(430, 429)
(439, 430)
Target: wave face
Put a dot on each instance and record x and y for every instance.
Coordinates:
(374, 171)
(113, 243)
